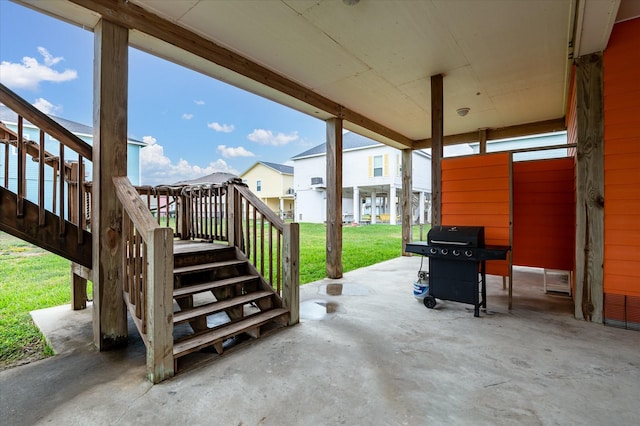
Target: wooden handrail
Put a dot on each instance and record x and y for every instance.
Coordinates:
(140, 215)
(279, 245)
(277, 222)
(148, 278)
(44, 122)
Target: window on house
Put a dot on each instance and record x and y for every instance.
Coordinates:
(377, 165)
(258, 185)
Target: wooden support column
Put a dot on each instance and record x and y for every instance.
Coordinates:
(407, 196)
(437, 143)
(589, 189)
(334, 198)
(109, 160)
(482, 138)
(291, 271)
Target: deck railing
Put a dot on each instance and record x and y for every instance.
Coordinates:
(269, 243)
(148, 284)
(67, 197)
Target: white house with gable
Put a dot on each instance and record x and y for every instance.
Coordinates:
(371, 182)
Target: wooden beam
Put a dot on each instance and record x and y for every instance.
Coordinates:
(334, 198)
(407, 198)
(519, 130)
(589, 189)
(437, 143)
(109, 160)
(132, 16)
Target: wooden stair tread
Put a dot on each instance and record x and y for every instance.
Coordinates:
(198, 247)
(210, 285)
(208, 266)
(211, 308)
(222, 333)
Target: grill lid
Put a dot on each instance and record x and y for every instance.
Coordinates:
(462, 236)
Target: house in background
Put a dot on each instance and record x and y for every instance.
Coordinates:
(371, 181)
(273, 184)
(526, 143)
(10, 120)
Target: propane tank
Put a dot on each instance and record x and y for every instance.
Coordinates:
(421, 287)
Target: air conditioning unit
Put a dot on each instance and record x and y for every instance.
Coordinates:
(316, 181)
(290, 191)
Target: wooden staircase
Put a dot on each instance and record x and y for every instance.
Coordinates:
(220, 300)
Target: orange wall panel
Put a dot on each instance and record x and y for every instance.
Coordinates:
(476, 192)
(622, 162)
(544, 214)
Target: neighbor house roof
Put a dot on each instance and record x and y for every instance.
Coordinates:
(280, 168)
(287, 170)
(8, 116)
(350, 140)
(213, 178)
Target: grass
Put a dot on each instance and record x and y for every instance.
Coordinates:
(31, 278)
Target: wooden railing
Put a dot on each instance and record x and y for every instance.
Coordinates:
(205, 209)
(58, 185)
(269, 243)
(148, 284)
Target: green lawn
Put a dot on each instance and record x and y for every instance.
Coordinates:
(31, 278)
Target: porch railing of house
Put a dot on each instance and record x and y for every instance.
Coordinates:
(67, 177)
(147, 263)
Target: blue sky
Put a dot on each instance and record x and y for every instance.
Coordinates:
(195, 125)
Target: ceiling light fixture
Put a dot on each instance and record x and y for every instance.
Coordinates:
(463, 111)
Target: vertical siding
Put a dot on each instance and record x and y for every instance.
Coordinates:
(476, 191)
(622, 160)
(544, 213)
(622, 176)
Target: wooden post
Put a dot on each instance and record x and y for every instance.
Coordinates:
(160, 305)
(407, 197)
(291, 271)
(437, 142)
(482, 138)
(109, 160)
(78, 283)
(589, 292)
(234, 205)
(334, 198)
(79, 275)
(183, 215)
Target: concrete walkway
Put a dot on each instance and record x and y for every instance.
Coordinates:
(379, 357)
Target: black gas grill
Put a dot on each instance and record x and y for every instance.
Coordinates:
(457, 257)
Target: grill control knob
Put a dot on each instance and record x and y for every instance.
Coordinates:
(433, 251)
(468, 253)
(444, 251)
(456, 252)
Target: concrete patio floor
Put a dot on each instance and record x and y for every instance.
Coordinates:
(380, 358)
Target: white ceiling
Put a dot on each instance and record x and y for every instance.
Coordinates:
(508, 61)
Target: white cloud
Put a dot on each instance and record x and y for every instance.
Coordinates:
(30, 73)
(47, 107)
(186, 116)
(198, 102)
(228, 151)
(49, 60)
(266, 137)
(224, 128)
(158, 169)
